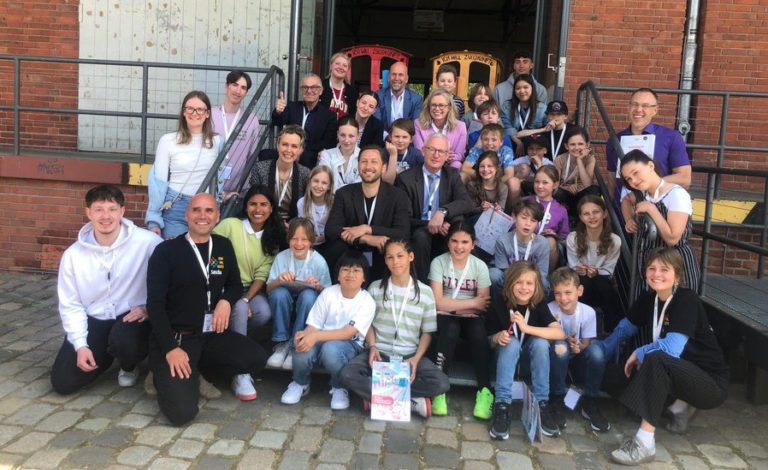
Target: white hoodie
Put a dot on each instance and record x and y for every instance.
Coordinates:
(103, 281)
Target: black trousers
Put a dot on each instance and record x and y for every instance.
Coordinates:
(107, 340)
(663, 378)
(333, 250)
(450, 328)
(228, 353)
(426, 247)
(599, 293)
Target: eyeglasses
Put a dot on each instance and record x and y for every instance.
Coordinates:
(355, 271)
(438, 105)
(198, 111)
(442, 153)
(313, 88)
(645, 106)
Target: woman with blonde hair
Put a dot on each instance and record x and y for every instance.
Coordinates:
(438, 116)
(338, 94)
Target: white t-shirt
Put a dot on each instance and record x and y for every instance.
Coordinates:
(333, 311)
(582, 322)
(676, 199)
(605, 264)
(477, 276)
(184, 166)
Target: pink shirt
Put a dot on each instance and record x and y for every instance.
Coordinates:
(457, 140)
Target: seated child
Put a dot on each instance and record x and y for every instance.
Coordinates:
(335, 331)
(486, 190)
(554, 132)
(554, 225)
(491, 141)
(522, 328)
(580, 327)
(479, 94)
(400, 336)
(297, 275)
(447, 78)
(577, 170)
(402, 154)
(535, 158)
(521, 244)
(488, 113)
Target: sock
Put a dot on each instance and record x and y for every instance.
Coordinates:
(678, 407)
(646, 438)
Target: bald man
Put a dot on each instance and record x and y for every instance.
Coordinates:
(192, 283)
(397, 101)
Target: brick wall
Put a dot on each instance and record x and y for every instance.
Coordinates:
(49, 29)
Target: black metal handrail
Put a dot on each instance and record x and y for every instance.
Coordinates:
(143, 115)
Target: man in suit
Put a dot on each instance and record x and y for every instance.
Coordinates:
(367, 214)
(397, 101)
(314, 117)
(437, 198)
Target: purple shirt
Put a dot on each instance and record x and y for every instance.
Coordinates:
(241, 148)
(558, 217)
(668, 152)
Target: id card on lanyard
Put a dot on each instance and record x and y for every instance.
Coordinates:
(547, 216)
(513, 326)
(559, 142)
(206, 269)
(527, 249)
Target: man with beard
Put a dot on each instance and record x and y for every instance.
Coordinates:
(397, 101)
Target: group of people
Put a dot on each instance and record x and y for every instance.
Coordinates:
(357, 242)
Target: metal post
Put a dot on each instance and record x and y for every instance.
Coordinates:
(688, 69)
(144, 93)
(707, 229)
(538, 60)
(329, 31)
(564, 24)
(721, 140)
(294, 46)
(16, 104)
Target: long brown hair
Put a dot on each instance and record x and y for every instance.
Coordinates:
(478, 190)
(183, 136)
(513, 273)
(582, 242)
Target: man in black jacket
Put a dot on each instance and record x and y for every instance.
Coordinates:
(315, 118)
(437, 198)
(192, 283)
(366, 214)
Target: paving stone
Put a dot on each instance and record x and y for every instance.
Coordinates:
(214, 463)
(676, 443)
(49, 458)
(442, 437)
(256, 458)
(107, 410)
(280, 421)
(165, 463)
(31, 373)
(662, 455)
(8, 432)
(346, 429)
(114, 437)
(11, 405)
(721, 456)
(400, 462)
(370, 443)
(30, 415)
(9, 386)
(137, 456)
(93, 424)
(588, 461)
(758, 464)
(268, 439)
(442, 422)
(226, 447)
(440, 457)
(477, 465)
(366, 462)
(751, 449)
(129, 395)
(135, 421)
(94, 457)
(316, 415)
(29, 443)
(555, 462)
(156, 436)
(404, 442)
(582, 444)
(330, 466)
(307, 438)
(337, 451)
(83, 402)
(60, 421)
(36, 389)
(293, 459)
(186, 448)
(551, 445)
(690, 462)
(236, 430)
(374, 425)
(476, 451)
(475, 431)
(200, 431)
(146, 406)
(660, 466)
(514, 460)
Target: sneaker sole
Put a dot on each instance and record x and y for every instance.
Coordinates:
(337, 408)
(275, 364)
(303, 394)
(594, 428)
(498, 437)
(550, 433)
(247, 397)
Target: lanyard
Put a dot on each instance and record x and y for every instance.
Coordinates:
(285, 186)
(399, 316)
(227, 129)
(520, 336)
(546, 218)
(527, 249)
(368, 216)
(205, 267)
(559, 142)
(566, 174)
(292, 265)
(520, 121)
(338, 100)
(576, 318)
(344, 168)
(658, 320)
(431, 194)
(304, 117)
(461, 279)
(397, 106)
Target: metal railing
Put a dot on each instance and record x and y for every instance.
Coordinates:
(143, 115)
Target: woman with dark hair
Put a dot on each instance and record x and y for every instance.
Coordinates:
(371, 127)
(523, 109)
(257, 236)
(182, 161)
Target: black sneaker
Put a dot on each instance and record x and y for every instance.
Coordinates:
(548, 421)
(590, 410)
(500, 424)
(557, 404)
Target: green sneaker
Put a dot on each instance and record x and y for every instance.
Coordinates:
(439, 406)
(484, 404)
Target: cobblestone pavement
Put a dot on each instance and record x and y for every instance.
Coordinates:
(106, 426)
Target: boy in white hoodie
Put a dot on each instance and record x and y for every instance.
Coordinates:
(102, 295)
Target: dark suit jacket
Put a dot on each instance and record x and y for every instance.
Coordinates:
(350, 95)
(320, 128)
(390, 216)
(373, 132)
(411, 106)
(453, 195)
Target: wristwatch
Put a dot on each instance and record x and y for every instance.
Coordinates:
(444, 211)
(245, 299)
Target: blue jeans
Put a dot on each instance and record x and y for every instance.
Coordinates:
(333, 355)
(610, 345)
(589, 365)
(281, 302)
(536, 351)
(173, 218)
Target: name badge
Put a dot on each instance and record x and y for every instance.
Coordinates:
(208, 323)
(109, 311)
(226, 172)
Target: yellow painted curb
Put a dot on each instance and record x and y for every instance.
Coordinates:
(731, 212)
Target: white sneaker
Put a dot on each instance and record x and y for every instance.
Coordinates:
(339, 399)
(422, 406)
(293, 393)
(127, 378)
(277, 358)
(242, 385)
(288, 362)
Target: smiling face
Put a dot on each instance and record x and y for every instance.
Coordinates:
(439, 107)
(523, 91)
(567, 296)
(370, 166)
(401, 139)
(351, 278)
(661, 277)
(543, 186)
(235, 92)
(491, 141)
(487, 169)
(460, 245)
(447, 81)
(642, 108)
(638, 175)
(319, 184)
(347, 137)
(524, 288)
(366, 106)
(577, 146)
(340, 67)
(398, 77)
(435, 151)
(202, 215)
(481, 97)
(300, 243)
(258, 210)
(105, 217)
(289, 148)
(522, 65)
(398, 260)
(592, 215)
(311, 88)
(195, 113)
